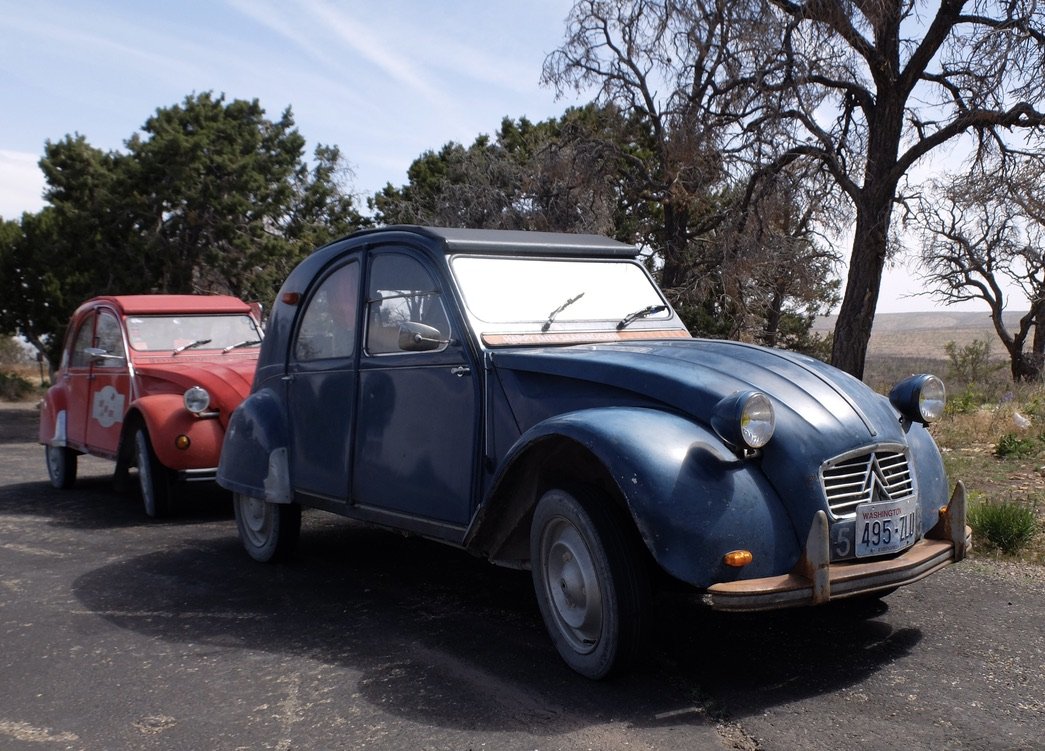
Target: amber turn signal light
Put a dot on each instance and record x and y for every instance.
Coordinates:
(182, 442)
(738, 558)
(291, 298)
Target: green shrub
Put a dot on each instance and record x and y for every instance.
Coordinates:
(1012, 446)
(1006, 526)
(969, 400)
(14, 388)
(971, 364)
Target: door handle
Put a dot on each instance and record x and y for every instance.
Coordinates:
(461, 371)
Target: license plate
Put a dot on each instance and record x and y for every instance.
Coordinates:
(885, 527)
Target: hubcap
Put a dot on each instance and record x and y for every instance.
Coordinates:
(572, 585)
(257, 519)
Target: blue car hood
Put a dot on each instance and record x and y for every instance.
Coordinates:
(821, 411)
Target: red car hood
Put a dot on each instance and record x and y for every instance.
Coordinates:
(227, 382)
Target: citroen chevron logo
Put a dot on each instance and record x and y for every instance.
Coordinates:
(875, 483)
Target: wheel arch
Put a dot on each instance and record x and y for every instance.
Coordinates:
(685, 494)
(552, 460)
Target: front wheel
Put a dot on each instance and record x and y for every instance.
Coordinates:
(591, 582)
(61, 466)
(269, 531)
(153, 477)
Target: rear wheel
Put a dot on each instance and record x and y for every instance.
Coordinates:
(153, 477)
(61, 466)
(591, 582)
(268, 531)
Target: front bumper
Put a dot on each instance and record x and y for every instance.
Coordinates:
(815, 580)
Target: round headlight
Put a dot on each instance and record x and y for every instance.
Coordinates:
(932, 398)
(757, 421)
(745, 419)
(196, 399)
(920, 398)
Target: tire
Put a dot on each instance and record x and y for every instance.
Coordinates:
(153, 478)
(268, 531)
(61, 466)
(591, 582)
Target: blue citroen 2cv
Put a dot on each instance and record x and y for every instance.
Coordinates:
(534, 399)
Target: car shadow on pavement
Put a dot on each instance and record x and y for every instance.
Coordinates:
(95, 503)
(445, 639)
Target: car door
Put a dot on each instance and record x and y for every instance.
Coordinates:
(110, 385)
(321, 385)
(77, 381)
(418, 411)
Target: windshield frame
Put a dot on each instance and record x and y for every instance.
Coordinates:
(136, 339)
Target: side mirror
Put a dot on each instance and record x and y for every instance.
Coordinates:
(418, 337)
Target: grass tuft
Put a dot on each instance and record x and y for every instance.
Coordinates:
(1006, 526)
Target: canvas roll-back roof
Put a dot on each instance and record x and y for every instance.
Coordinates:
(169, 304)
(515, 242)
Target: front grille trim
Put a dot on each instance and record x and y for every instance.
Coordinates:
(880, 471)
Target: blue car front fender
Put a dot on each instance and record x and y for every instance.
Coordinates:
(691, 498)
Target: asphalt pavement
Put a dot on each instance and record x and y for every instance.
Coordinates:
(118, 632)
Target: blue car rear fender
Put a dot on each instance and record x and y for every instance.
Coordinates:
(254, 454)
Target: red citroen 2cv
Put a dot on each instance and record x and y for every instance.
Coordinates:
(149, 381)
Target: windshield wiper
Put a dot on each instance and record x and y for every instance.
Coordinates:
(244, 343)
(551, 316)
(652, 310)
(190, 345)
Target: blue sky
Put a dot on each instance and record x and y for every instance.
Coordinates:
(383, 81)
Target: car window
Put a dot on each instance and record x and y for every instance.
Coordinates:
(401, 290)
(328, 324)
(84, 339)
(109, 337)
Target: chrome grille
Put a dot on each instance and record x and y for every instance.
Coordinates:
(875, 475)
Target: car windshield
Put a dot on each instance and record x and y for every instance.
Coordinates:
(192, 332)
(542, 292)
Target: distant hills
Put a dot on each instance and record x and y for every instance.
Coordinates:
(926, 334)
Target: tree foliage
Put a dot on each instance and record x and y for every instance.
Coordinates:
(665, 171)
(210, 197)
(551, 175)
(681, 73)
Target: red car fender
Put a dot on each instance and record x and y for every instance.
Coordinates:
(166, 418)
(54, 404)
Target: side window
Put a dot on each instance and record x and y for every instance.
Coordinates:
(328, 324)
(109, 338)
(84, 339)
(400, 290)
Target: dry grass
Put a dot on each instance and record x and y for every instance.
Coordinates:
(970, 440)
